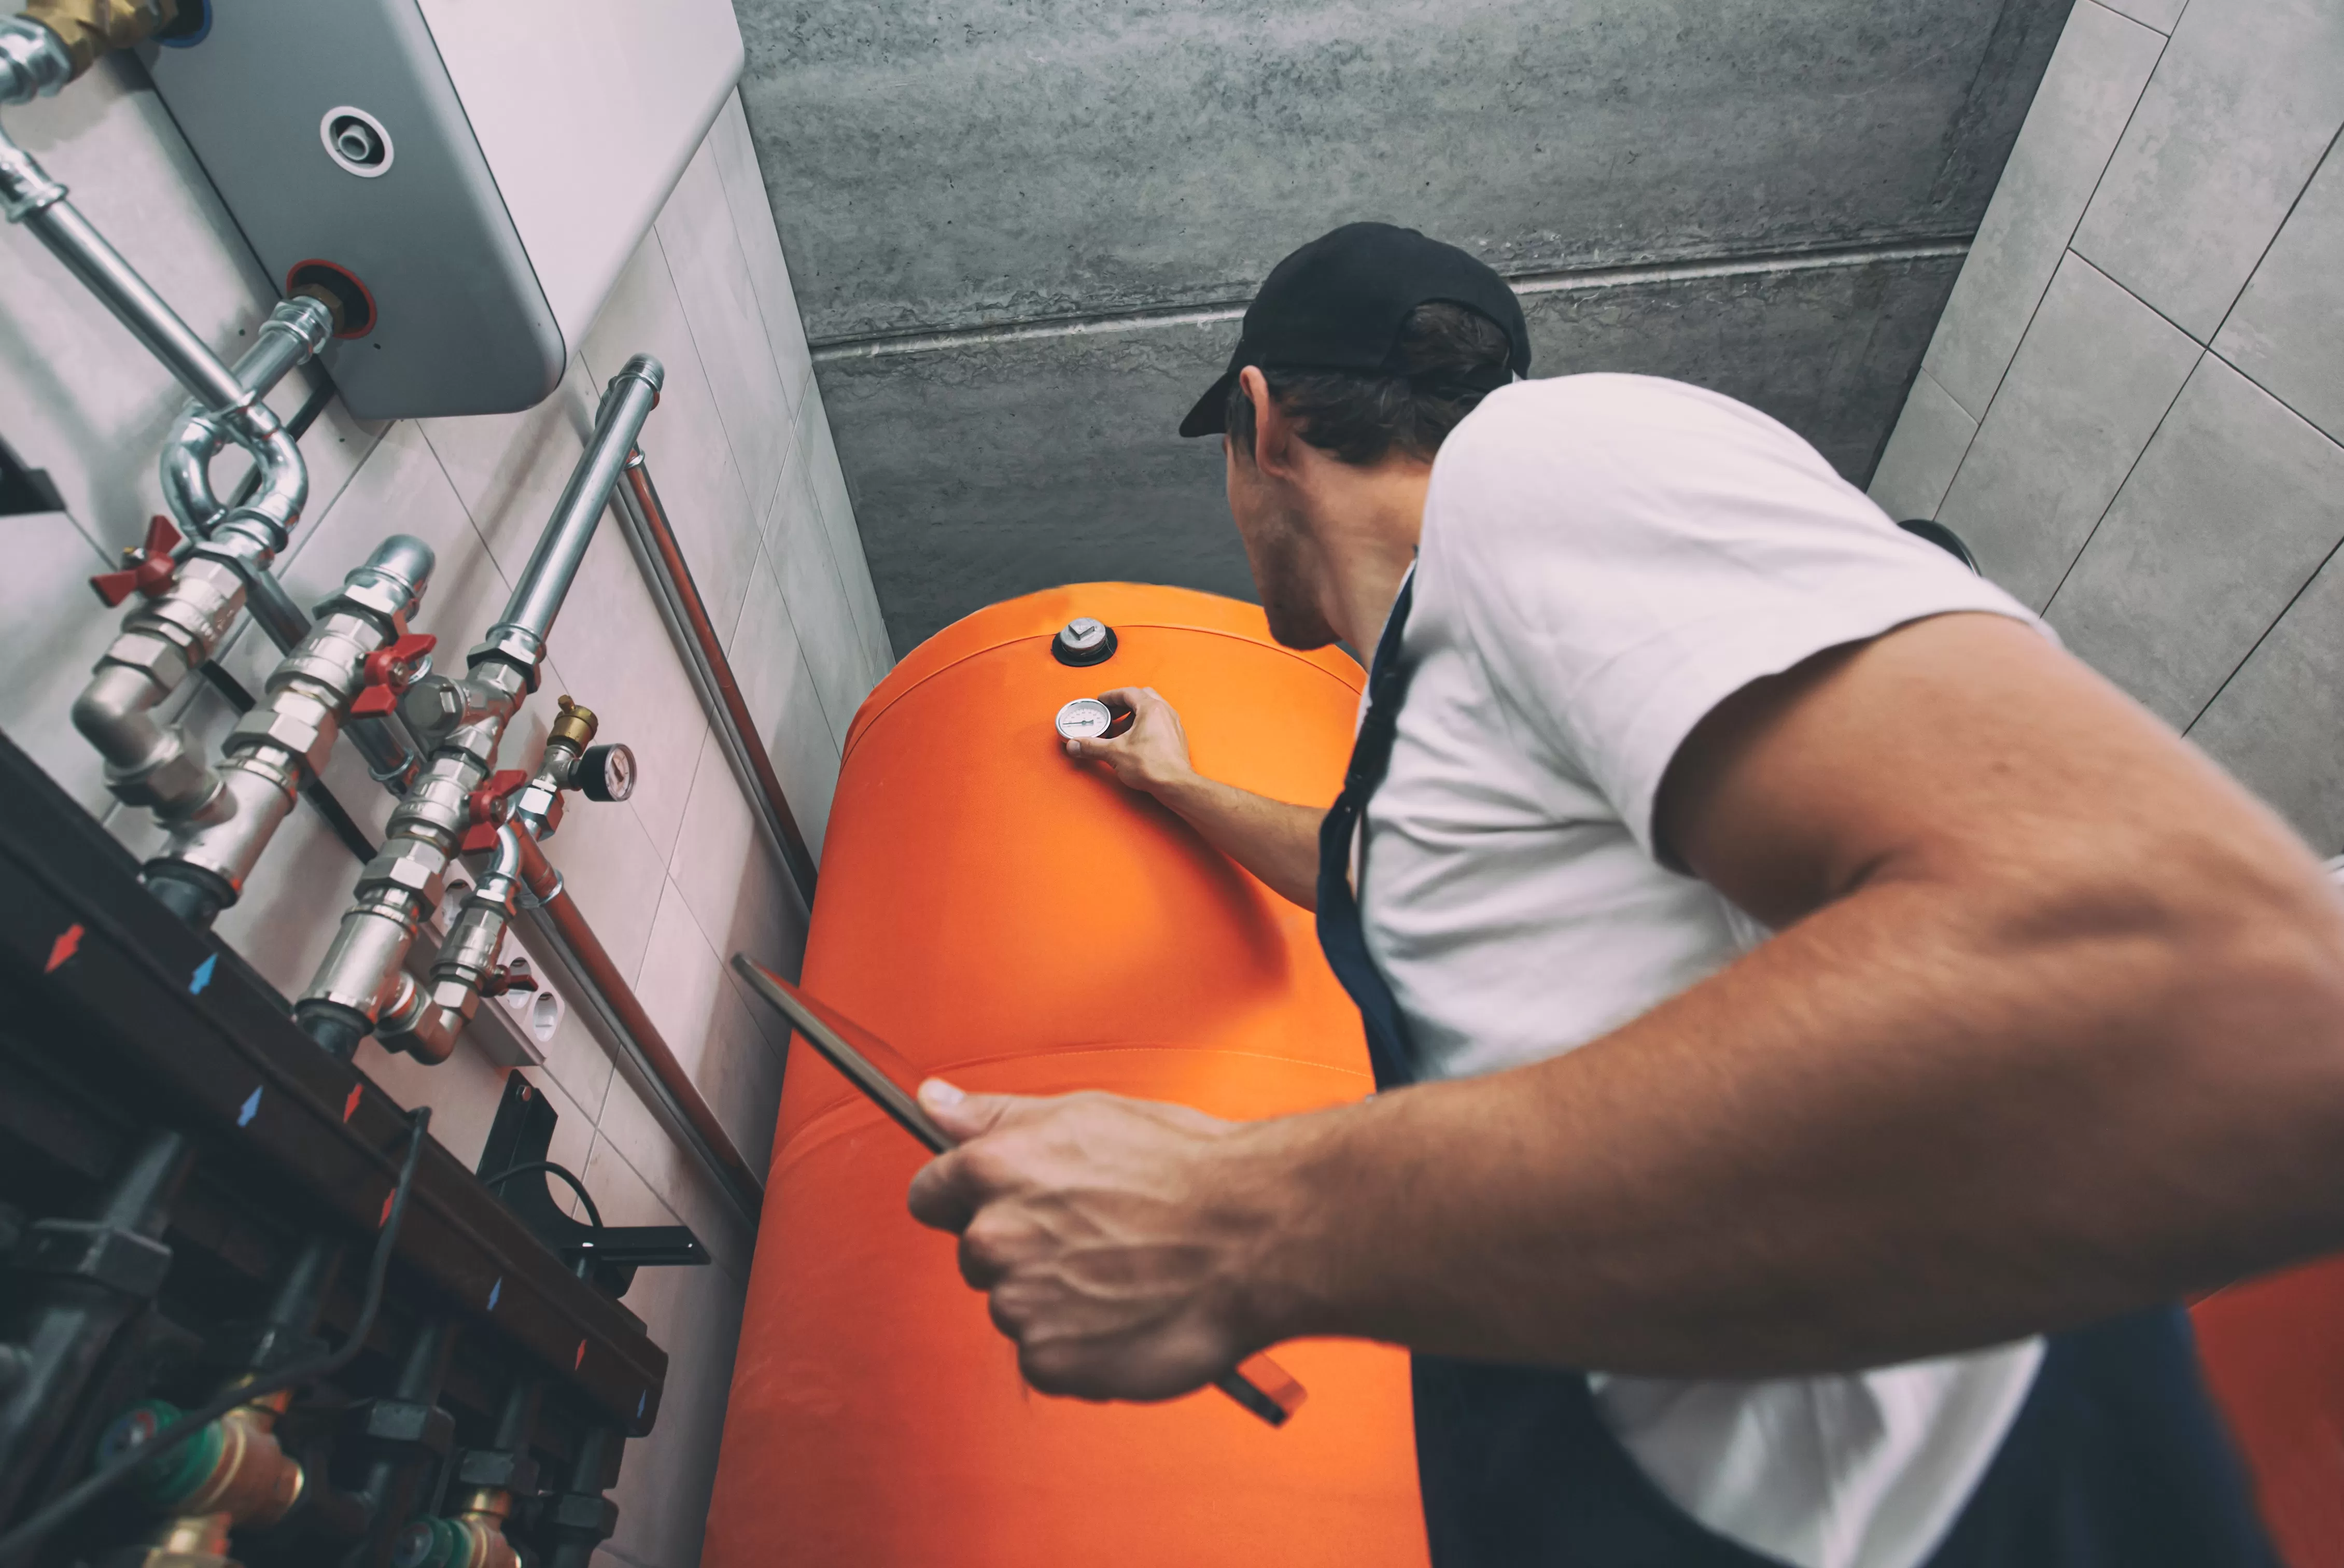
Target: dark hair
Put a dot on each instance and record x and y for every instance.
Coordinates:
(1448, 359)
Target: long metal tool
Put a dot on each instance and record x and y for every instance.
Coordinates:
(702, 653)
(1263, 1387)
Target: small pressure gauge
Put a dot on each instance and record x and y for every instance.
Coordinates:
(607, 772)
(1084, 719)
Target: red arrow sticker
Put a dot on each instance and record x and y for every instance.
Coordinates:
(581, 1357)
(351, 1105)
(385, 1209)
(67, 943)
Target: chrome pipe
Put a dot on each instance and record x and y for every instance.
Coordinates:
(519, 633)
(296, 330)
(559, 934)
(29, 197)
(654, 544)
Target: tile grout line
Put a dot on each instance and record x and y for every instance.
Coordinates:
(2232, 309)
(2068, 244)
(691, 335)
(1978, 428)
(2130, 469)
(2301, 589)
(882, 345)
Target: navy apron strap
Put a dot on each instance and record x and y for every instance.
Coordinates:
(1339, 931)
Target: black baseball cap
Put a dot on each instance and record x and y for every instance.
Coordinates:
(1337, 303)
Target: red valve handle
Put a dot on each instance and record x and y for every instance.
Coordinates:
(148, 569)
(501, 980)
(387, 671)
(481, 806)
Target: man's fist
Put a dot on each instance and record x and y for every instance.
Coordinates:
(1104, 1229)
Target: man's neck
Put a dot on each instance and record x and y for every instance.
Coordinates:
(1368, 530)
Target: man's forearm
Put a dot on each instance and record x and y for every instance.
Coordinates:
(1914, 1123)
(1277, 842)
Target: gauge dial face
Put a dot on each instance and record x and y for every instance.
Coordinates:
(1084, 719)
(617, 773)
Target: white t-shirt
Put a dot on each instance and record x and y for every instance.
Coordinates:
(1605, 558)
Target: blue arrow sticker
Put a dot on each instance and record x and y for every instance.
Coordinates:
(250, 1109)
(203, 975)
(496, 1291)
(639, 1403)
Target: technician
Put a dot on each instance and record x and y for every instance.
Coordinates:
(1829, 1009)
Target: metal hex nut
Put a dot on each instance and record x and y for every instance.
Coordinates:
(153, 656)
(375, 596)
(176, 784)
(410, 864)
(273, 725)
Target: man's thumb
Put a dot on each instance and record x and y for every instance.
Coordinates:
(965, 1116)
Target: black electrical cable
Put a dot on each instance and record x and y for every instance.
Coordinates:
(36, 1528)
(496, 1184)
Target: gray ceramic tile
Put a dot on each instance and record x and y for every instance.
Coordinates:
(703, 256)
(2096, 78)
(2160, 14)
(2243, 104)
(714, 516)
(760, 244)
(611, 868)
(1924, 450)
(818, 451)
(2096, 373)
(2229, 513)
(2279, 725)
(779, 688)
(737, 890)
(797, 548)
(2287, 331)
(685, 988)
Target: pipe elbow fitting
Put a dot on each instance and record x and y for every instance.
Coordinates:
(417, 1024)
(86, 29)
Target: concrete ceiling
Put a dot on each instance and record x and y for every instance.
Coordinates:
(1021, 230)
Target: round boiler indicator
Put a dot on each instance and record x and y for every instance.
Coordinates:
(1084, 719)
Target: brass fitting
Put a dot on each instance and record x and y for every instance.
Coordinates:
(88, 28)
(576, 725)
(234, 1476)
(473, 1538)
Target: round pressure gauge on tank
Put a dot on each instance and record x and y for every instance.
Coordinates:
(1084, 719)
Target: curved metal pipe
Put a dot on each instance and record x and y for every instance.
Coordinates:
(295, 332)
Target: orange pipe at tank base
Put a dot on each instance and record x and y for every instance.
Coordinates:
(1018, 922)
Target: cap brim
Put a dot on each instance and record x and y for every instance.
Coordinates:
(1210, 416)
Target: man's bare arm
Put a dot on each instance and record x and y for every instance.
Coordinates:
(1277, 842)
(2054, 1028)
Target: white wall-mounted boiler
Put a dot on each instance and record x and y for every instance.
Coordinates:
(465, 178)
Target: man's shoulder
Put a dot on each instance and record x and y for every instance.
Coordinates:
(1582, 436)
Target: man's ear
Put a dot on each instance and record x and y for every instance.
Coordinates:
(1273, 432)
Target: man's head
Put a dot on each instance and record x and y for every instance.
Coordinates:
(1362, 352)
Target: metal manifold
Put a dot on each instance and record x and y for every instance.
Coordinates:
(249, 1312)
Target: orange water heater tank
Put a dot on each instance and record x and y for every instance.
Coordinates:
(1018, 922)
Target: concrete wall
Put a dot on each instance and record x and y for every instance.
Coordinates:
(2133, 406)
(673, 880)
(1024, 229)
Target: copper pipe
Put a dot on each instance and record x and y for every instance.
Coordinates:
(644, 1055)
(703, 657)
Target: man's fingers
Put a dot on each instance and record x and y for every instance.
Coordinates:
(945, 1195)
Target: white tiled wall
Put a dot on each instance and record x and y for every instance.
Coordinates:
(674, 880)
(2133, 406)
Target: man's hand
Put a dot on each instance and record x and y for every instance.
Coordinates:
(1152, 755)
(1107, 1231)
(1277, 842)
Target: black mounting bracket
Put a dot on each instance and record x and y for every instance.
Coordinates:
(608, 1255)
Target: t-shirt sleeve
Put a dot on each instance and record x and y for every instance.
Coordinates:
(1629, 551)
